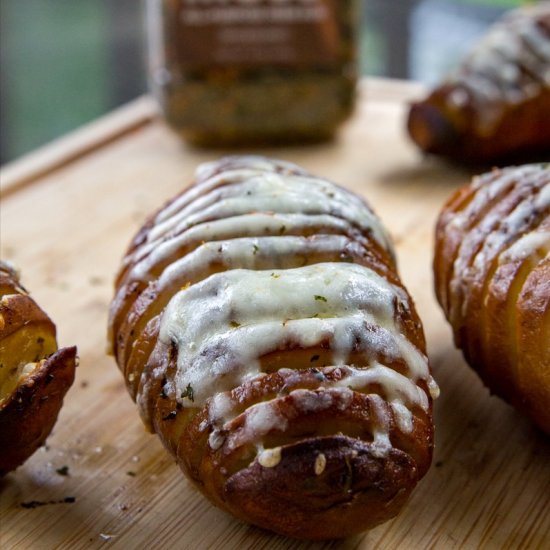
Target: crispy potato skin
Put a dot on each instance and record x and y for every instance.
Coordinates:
(34, 376)
(440, 130)
(29, 414)
(355, 491)
(297, 450)
(498, 301)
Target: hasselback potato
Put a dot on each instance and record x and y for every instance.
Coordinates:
(34, 374)
(492, 279)
(497, 102)
(263, 331)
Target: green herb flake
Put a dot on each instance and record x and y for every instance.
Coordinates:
(256, 248)
(63, 471)
(130, 473)
(275, 276)
(314, 358)
(234, 324)
(188, 393)
(348, 476)
(320, 298)
(284, 390)
(282, 229)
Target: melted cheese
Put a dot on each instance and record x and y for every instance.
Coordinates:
(255, 190)
(526, 247)
(225, 323)
(533, 183)
(251, 226)
(490, 186)
(245, 253)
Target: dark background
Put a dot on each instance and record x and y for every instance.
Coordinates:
(66, 62)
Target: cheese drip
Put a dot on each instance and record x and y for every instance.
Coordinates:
(223, 325)
(500, 230)
(210, 175)
(248, 253)
(247, 226)
(527, 246)
(252, 190)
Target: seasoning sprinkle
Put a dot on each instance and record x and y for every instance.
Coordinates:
(188, 393)
(320, 298)
(348, 476)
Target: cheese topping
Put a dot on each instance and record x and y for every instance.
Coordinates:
(253, 225)
(255, 189)
(525, 247)
(506, 235)
(222, 325)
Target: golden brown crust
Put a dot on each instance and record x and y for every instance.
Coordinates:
(491, 268)
(28, 415)
(34, 376)
(533, 343)
(307, 445)
(286, 497)
(498, 102)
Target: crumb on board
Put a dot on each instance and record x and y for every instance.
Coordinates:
(31, 504)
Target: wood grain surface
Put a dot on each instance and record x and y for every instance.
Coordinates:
(66, 224)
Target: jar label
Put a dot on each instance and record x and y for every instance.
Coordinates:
(249, 33)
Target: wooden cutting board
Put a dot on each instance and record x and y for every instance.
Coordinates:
(67, 214)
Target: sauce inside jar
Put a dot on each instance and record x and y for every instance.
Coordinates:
(243, 72)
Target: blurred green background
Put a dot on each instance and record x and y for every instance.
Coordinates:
(66, 62)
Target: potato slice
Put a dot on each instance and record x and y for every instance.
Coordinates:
(34, 375)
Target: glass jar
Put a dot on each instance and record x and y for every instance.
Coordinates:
(253, 72)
